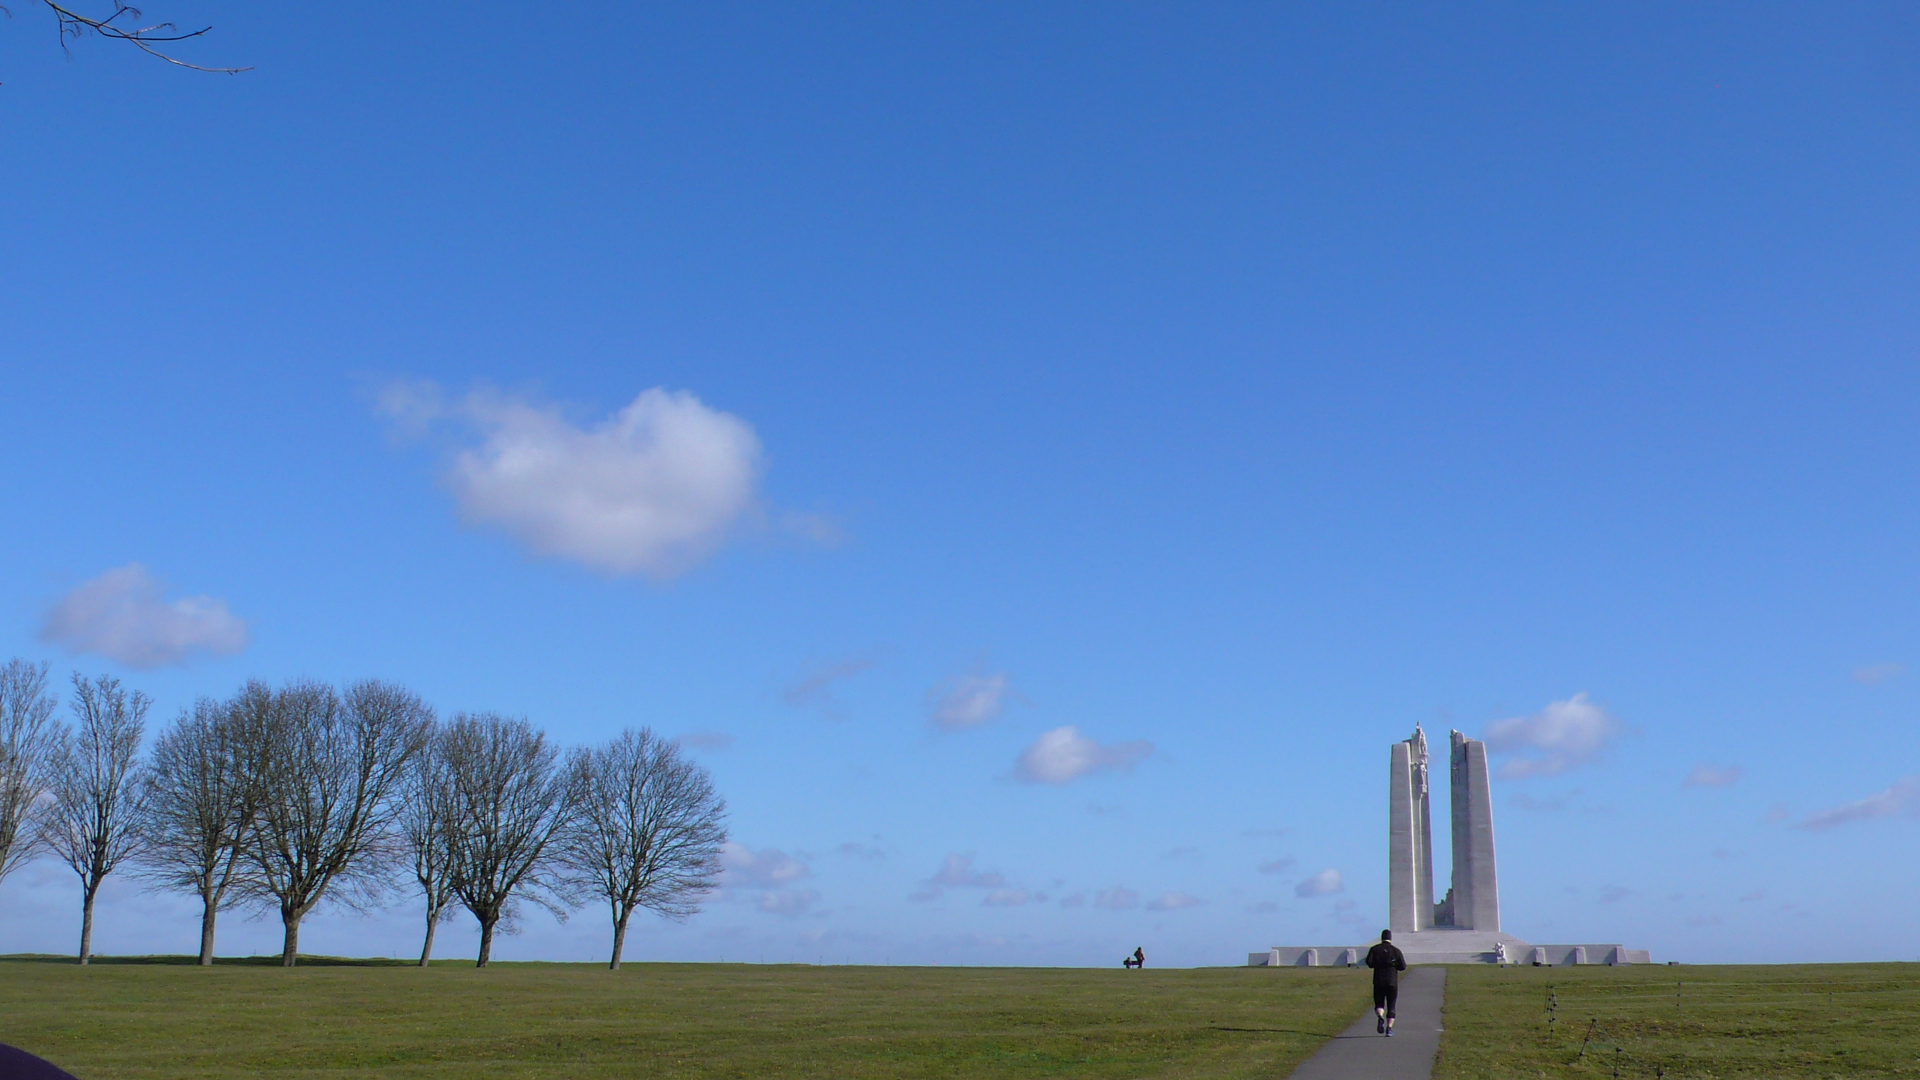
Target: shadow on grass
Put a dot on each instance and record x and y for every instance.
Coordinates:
(222, 961)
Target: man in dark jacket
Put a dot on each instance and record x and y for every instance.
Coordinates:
(1387, 963)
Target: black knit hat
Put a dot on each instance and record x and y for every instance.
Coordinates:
(1386, 935)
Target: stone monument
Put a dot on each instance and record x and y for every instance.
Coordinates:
(1463, 927)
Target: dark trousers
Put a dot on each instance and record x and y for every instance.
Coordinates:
(1385, 997)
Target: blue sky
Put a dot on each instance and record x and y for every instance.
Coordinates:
(1041, 456)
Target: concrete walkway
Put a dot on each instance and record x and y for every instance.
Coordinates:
(1359, 1053)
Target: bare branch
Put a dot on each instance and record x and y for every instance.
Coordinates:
(510, 799)
(330, 769)
(99, 790)
(647, 831)
(74, 25)
(205, 795)
(29, 737)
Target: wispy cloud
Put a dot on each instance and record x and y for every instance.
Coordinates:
(1325, 883)
(1613, 894)
(957, 872)
(1116, 898)
(868, 852)
(768, 868)
(1542, 805)
(815, 688)
(1278, 866)
(653, 489)
(1010, 897)
(1562, 736)
(1706, 775)
(706, 740)
(1901, 797)
(1874, 674)
(968, 701)
(770, 873)
(1063, 755)
(124, 616)
(1173, 901)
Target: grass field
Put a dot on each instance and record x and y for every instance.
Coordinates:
(117, 1020)
(1688, 1023)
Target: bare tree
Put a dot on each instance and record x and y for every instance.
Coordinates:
(510, 800)
(647, 829)
(205, 792)
(426, 808)
(29, 737)
(330, 769)
(124, 25)
(99, 789)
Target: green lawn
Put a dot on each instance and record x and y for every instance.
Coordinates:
(129, 1019)
(1733, 1023)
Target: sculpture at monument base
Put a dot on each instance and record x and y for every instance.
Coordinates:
(1464, 926)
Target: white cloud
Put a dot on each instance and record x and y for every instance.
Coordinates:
(1705, 775)
(957, 872)
(788, 902)
(968, 701)
(1562, 736)
(1063, 755)
(768, 868)
(1116, 898)
(1173, 901)
(1325, 883)
(1007, 898)
(122, 616)
(1903, 796)
(1873, 674)
(653, 489)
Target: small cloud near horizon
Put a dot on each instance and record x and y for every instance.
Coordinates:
(124, 616)
(1900, 797)
(1063, 755)
(815, 688)
(706, 740)
(1325, 883)
(1173, 901)
(967, 701)
(1116, 898)
(1875, 674)
(1563, 736)
(1278, 866)
(1713, 776)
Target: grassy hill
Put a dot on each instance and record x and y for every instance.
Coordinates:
(166, 1018)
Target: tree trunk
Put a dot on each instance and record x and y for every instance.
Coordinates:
(433, 923)
(86, 921)
(290, 952)
(486, 940)
(620, 917)
(206, 930)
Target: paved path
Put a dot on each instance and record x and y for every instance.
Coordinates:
(1358, 1053)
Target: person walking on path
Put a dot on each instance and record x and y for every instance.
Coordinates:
(1387, 962)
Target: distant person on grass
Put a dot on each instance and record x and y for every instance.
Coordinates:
(1137, 960)
(1387, 962)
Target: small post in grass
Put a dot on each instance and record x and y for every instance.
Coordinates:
(1592, 1023)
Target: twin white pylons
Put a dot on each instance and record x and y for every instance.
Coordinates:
(1473, 900)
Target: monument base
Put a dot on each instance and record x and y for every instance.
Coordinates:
(1442, 945)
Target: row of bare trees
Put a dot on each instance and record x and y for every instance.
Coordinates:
(286, 798)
